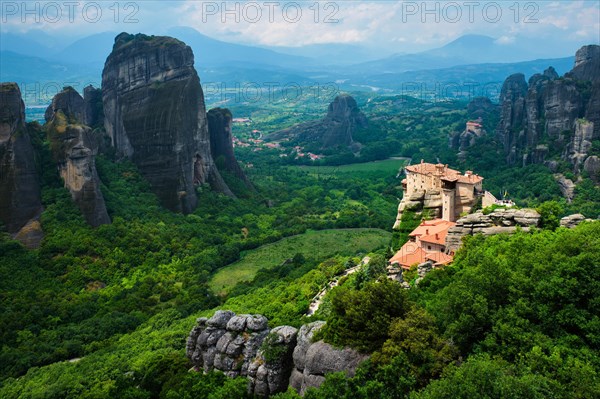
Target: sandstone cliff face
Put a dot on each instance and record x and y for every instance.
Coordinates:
(552, 115)
(155, 115)
(20, 197)
(74, 148)
(587, 64)
(221, 144)
(511, 129)
(243, 345)
(501, 221)
(335, 130)
(94, 112)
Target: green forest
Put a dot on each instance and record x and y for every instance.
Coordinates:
(105, 312)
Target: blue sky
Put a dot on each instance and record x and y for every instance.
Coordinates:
(389, 26)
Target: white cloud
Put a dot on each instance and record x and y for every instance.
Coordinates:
(386, 25)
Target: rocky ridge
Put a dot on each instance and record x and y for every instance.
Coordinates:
(20, 195)
(552, 115)
(271, 359)
(335, 130)
(500, 221)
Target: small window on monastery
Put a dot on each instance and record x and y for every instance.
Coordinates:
(429, 247)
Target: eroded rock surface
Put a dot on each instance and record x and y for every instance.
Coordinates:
(566, 186)
(552, 114)
(74, 148)
(20, 197)
(155, 115)
(226, 342)
(272, 360)
(572, 221)
(335, 130)
(270, 371)
(313, 360)
(221, 144)
(501, 221)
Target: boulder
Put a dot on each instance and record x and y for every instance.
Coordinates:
(592, 167)
(220, 319)
(237, 323)
(313, 360)
(572, 221)
(566, 186)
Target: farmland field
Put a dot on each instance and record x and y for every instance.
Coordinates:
(391, 165)
(312, 244)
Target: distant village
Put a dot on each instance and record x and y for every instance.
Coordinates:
(256, 143)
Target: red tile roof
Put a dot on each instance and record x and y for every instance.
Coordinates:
(429, 228)
(444, 172)
(408, 255)
(439, 258)
(429, 231)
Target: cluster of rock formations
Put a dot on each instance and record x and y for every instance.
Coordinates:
(335, 130)
(155, 115)
(497, 222)
(551, 113)
(20, 196)
(150, 109)
(271, 359)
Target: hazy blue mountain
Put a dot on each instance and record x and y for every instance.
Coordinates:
(40, 79)
(33, 43)
(333, 53)
(212, 52)
(467, 77)
(91, 49)
(467, 49)
(471, 58)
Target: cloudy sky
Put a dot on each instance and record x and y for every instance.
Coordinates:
(390, 26)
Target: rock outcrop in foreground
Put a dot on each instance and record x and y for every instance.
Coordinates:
(552, 115)
(74, 149)
(20, 197)
(155, 115)
(497, 222)
(271, 359)
(335, 130)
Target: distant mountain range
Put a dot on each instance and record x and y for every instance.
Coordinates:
(36, 57)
